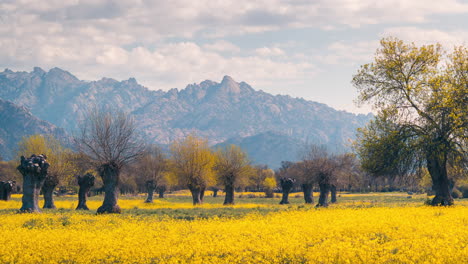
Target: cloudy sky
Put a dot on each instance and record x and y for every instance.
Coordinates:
(306, 49)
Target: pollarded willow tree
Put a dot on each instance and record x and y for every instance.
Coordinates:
(34, 170)
(85, 182)
(150, 171)
(232, 169)
(109, 139)
(422, 96)
(320, 167)
(62, 169)
(287, 178)
(192, 162)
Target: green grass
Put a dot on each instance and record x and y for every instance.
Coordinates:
(180, 206)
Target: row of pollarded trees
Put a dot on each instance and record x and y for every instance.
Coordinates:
(108, 144)
(319, 168)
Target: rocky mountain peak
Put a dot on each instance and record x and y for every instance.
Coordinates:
(214, 110)
(39, 71)
(228, 85)
(59, 74)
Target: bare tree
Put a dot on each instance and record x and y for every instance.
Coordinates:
(286, 179)
(304, 173)
(109, 139)
(150, 169)
(320, 167)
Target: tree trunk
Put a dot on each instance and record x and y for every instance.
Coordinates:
(308, 193)
(161, 190)
(2, 191)
(333, 193)
(202, 193)
(215, 191)
(48, 191)
(85, 182)
(196, 193)
(109, 173)
(48, 194)
(34, 171)
(150, 187)
(5, 190)
(437, 167)
(229, 198)
(286, 186)
(324, 191)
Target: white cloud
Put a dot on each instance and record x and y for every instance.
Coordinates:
(222, 46)
(421, 36)
(158, 41)
(348, 53)
(269, 52)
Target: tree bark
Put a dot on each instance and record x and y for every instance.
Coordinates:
(437, 167)
(333, 193)
(2, 191)
(48, 191)
(5, 190)
(150, 187)
(202, 193)
(324, 191)
(229, 198)
(161, 191)
(109, 173)
(308, 193)
(85, 182)
(196, 195)
(286, 186)
(34, 171)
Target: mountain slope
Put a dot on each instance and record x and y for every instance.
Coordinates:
(17, 122)
(268, 148)
(217, 111)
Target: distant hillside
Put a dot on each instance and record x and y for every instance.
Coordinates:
(217, 111)
(268, 148)
(17, 122)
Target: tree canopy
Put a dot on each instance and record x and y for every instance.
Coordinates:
(421, 95)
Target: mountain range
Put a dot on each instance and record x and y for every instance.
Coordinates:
(270, 127)
(17, 122)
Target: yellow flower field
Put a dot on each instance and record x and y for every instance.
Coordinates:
(299, 234)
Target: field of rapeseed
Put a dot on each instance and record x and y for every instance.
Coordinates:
(257, 230)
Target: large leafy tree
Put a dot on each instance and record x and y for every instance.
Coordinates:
(421, 95)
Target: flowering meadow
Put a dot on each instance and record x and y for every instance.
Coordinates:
(360, 229)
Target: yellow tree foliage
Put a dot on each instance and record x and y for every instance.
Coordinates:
(58, 156)
(232, 166)
(192, 162)
(269, 182)
(233, 170)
